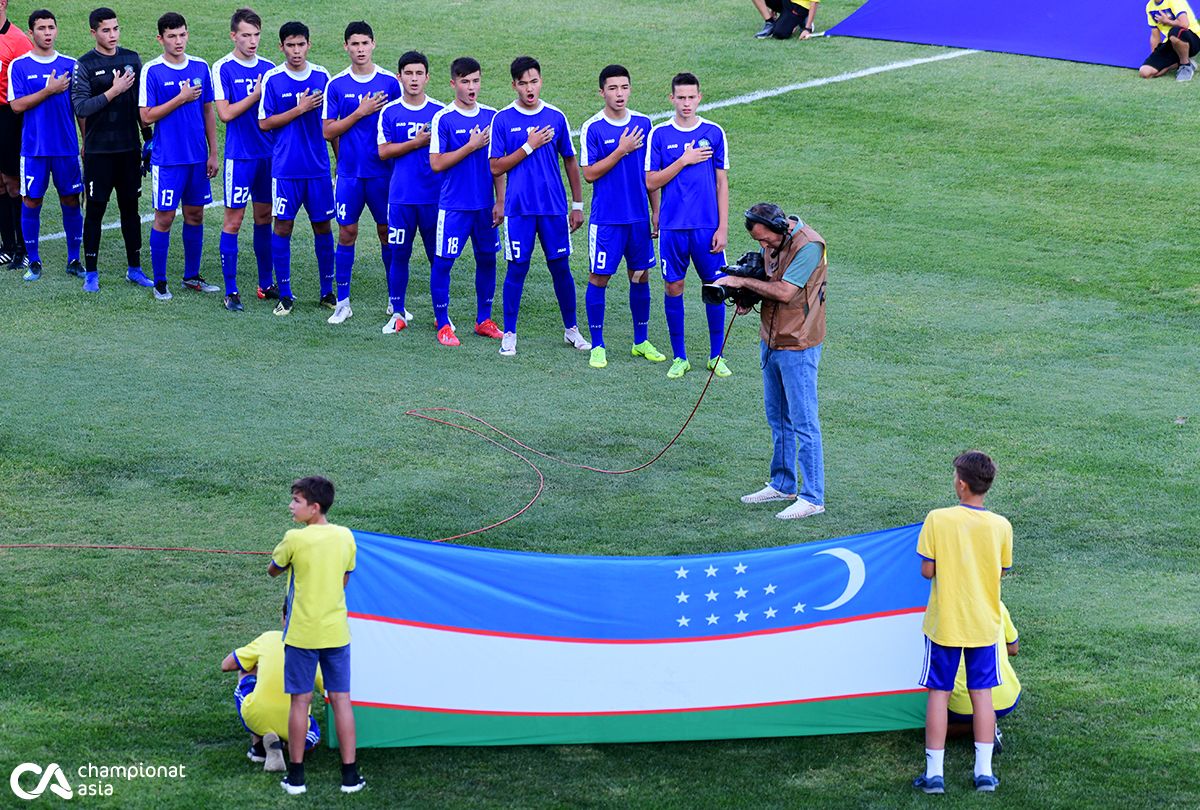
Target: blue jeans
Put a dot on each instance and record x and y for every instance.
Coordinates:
(790, 398)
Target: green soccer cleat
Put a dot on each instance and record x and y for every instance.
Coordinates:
(718, 367)
(679, 367)
(646, 349)
(599, 357)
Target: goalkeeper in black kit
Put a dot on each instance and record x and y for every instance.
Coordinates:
(105, 97)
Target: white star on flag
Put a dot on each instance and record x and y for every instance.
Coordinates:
(681, 597)
(684, 621)
(769, 589)
(710, 571)
(770, 613)
(741, 615)
(739, 569)
(798, 607)
(681, 573)
(711, 618)
(712, 596)
(741, 593)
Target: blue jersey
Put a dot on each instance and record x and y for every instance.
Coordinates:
(620, 196)
(49, 128)
(534, 186)
(233, 80)
(690, 199)
(358, 151)
(413, 181)
(467, 186)
(299, 148)
(179, 137)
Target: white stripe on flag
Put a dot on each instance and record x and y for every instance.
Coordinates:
(405, 665)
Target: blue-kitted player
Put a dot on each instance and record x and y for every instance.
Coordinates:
(37, 89)
(237, 87)
(351, 123)
(687, 157)
(403, 140)
(528, 138)
(471, 201)
(176, 97)
(290, 108)
(612, 152)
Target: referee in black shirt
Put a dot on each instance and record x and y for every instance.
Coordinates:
(104, 94)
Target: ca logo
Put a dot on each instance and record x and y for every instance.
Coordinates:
(53, 773)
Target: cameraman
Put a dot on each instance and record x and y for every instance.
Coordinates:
(793, 328)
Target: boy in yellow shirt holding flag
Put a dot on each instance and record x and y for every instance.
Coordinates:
(964, 550)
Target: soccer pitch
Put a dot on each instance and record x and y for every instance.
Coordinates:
(997, 281)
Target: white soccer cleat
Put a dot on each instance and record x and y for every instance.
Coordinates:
(800, 509)
(573, 337)
(395, 324)
(766, 495)
(341, 312)
(508, 344)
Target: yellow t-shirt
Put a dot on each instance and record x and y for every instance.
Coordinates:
(971, 548)
(1005, 695)
(1173, 8)
(805, 4)
(319, 556)
(266, 708)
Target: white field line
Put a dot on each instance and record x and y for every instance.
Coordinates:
(747, 98)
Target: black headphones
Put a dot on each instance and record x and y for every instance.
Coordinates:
(777, 221)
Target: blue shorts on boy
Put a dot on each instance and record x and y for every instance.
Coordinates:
(314, 194)
(185, 184)
(454, 228)
(404, 221)
(608, 244)
(352, 194)
(300, 667)
(941, 666)
(679, 247)
(37, 171)
(246, 181)
(553, 231)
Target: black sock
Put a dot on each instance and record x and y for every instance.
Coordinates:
(18, 236)
(350, 773)
(295, 773)
(8, 236)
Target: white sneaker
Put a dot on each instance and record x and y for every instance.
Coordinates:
(767, 494)
(274, 762)
(800, 509)
(573, 337)
(391, 310)
(508, 344)
(395, 324)
(341, 312)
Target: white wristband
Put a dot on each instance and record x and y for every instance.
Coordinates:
(576, 206)
(527, 149)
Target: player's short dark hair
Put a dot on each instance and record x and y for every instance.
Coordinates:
(292, 28)
(612, 72)
(975, 469)
(521, 65)
(464, 66)
(315, 489)
(41, 14)
(170, 21)
(412, 58)
(358, 27)
(100, 15)
(245, 15)
(686, 80)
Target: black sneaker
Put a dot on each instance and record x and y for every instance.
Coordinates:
(284, 307)
(199, 285)
(20, 261)
(6, 258)
(256, 753)
(75, 268)
(329, 301)
(998, 742)
(233, 302)
(293, 790)
(768, 27)
(269, 292)
(353, 785)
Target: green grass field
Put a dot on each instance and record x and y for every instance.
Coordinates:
(1011, 269)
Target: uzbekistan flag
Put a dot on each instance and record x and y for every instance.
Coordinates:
(454, 645)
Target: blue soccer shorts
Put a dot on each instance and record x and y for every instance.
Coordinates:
(404, 221)
(553, 231)
(352, 194)
(300, 668)
(941, 666)
(36, 173)
(174, 186)
(247, 181)
(607, 244)
(677, 248)
(453, 228)
(314, 193)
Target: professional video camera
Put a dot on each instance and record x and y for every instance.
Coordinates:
(749, 266)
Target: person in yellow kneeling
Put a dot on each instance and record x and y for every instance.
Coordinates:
(1004, 697)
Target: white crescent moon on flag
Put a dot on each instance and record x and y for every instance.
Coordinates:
(858, 575)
